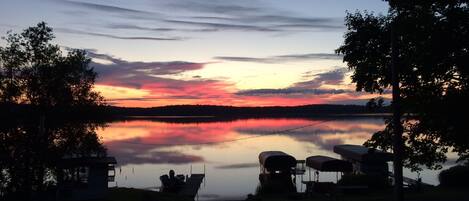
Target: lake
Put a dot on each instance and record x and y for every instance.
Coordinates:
(227, 150)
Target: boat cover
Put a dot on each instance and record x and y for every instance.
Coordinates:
(276, 160)
(362, 154)
(328, 164)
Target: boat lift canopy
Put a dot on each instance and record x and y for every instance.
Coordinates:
(362, 154)
(276, 160)
(328, 164)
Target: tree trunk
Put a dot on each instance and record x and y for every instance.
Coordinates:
(396, 118)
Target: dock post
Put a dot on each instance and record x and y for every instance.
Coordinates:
(301, 183)
(205, 176)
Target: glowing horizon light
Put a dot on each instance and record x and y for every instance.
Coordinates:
(116, 92)
(156, 53)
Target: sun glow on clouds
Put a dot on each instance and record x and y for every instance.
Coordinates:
(254, 83)
(242, 53)
(143, 89)
(116, 92)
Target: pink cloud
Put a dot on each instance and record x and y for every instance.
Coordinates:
(159, 90)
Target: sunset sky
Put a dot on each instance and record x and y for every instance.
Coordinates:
(223, 52)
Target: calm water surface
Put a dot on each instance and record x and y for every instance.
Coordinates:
(227, 151)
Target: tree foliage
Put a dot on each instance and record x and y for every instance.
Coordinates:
(36, 77)
(29, 156)
(34, 71)
(433, 65)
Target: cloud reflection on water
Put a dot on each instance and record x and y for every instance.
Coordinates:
(238, 165)
(152, 142)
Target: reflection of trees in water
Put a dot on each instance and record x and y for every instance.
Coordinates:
(31, 149)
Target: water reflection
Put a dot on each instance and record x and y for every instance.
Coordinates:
(31, 149)
(238, 165)
(139, 142)
(147, 149)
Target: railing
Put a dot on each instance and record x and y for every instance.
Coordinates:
(111, 173)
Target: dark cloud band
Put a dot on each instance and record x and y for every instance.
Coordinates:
(334, 77)
(72, 31)
(283, 58)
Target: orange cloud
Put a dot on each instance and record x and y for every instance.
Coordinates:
(149, 84)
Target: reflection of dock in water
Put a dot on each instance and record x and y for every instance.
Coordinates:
(192, 185)
(300, 168)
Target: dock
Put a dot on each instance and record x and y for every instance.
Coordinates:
(192, 185)
(411, 182)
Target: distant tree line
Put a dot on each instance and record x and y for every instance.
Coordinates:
(247, 112)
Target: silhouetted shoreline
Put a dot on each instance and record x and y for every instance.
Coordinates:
(193, 113)
(221, 111)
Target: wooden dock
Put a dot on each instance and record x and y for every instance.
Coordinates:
(192, 185)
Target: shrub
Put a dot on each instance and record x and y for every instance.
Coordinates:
(456, 176)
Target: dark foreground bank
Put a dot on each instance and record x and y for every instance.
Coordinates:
(428, 194)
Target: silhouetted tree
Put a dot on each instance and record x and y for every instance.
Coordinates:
(36, 74)
(29, 155)
(34, 71)
(432, 42)
(375, 104)
(11, 59)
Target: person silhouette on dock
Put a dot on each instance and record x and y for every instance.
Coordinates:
(172, 183)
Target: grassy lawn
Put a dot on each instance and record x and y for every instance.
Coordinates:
(429, 194)
(131, 194)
